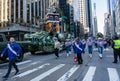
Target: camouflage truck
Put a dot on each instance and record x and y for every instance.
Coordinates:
(44, 41)
(3, 43)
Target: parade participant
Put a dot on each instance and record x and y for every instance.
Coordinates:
(100, 47)
(68, 46)
(84, 45)
(90, 48)
(13, 50)
(116, 49)
(78, 50)
(56, 47)
(105, 44)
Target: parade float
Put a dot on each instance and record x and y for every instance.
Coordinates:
(43, 41)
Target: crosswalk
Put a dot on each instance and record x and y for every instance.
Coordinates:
(46, 71)
(69, 73)
(90, 74)
(40, 77)
(114, 72)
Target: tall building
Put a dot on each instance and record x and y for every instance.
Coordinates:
(24, 16)
(106, 25)
(89, 16)
(36, 9)
(71, 14)
(95, 27)
(64, 7)
(111, 17)
(109, 6)
(117, 16)
(17, 11)
(76, 18)
(4, 12)
(27, 11)
(84, 14)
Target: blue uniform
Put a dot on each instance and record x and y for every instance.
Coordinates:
(77, 50)
(16, 47)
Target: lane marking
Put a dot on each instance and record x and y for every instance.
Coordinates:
(68, 74)
(24, 62)
(31, 71)
(31, 64)
(90, 74)
(34, 63)
(111, 56)
(47, 73)
(113, 74)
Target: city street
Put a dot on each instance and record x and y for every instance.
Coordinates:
(47, 26)
(48, 68)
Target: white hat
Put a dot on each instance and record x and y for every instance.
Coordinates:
(99, 38)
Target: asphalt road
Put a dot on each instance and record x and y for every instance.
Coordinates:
(48, 68)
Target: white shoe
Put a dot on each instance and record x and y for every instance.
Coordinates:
(90, 55)
(70, 53)
(67, 54)
(107, 49)
(100, 55)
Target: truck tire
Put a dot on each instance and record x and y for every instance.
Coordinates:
(20, 58)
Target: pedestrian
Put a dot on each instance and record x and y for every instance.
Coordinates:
(90, 48)
(95, 45)
(84, 45)
(13, 50)
(100, 47)
(56, 47)
(105, 44)
(68, 46)
(116, 49)
(78, 50)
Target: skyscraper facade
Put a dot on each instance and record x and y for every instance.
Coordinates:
(4, 12)
(117, 16)
(24, 15)
(111, 17)
(106, 25)
(71, 14)
(89, 17)
(83, 14)
(95, 27)
(64, 7)
(109, 6)
(26, 11)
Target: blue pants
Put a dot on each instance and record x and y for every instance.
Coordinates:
(90, 49)
(68, 49)
(100, 49)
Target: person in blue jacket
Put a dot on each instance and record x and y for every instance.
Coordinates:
(78, 48)
(13, 50)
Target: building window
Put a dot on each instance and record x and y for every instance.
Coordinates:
(56, 18)
(51, 18)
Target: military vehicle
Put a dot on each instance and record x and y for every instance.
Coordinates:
(44, 41)
(3, 43)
